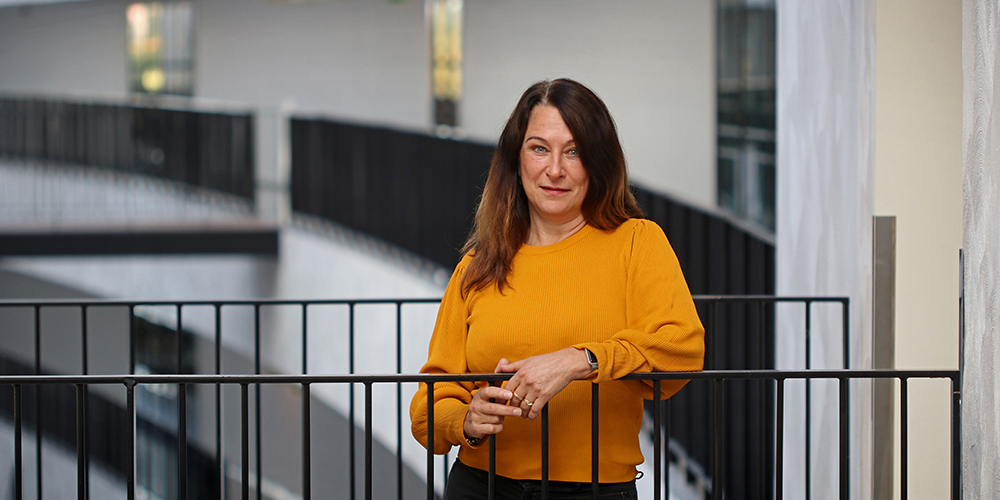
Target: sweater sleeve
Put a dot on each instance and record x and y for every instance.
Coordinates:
(663, 330)
(446, 354)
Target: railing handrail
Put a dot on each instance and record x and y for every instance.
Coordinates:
(419, 300)
(466, 377)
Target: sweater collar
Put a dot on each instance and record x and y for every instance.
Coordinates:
(571, 240)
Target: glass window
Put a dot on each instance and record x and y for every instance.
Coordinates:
(446, 50)
(160, 48)
(746, 109)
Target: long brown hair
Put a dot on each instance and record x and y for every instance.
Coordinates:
(502, 220)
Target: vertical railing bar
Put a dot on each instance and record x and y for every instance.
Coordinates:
(130, 454)
(666, 447)
(956, 388)
(218, 401)
(305, 338)
(306, 443)
(81, 472)
(306, 410)
(545, 452)
(18, 466)
(256, 399)
(761, 410)
(903, 440)
(657, 446)
(86, 371)
(491, 474)
(595, 451)
(846, 332)
(368, 440)
(399, 402)
(808, 382)
(430, 441)
(182, 441)
(38, 399)
(956, 436)
(779, 432)
(845, 426)
(711, 334)
(132, 339)
(180, 342)
(350, 420)
(846, 451)
(245, 437)
(716, 440)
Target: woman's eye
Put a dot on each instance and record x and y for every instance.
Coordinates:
(573, 152)
(538, 149)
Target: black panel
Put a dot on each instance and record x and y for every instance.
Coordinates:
(208, 150)
(258, 242)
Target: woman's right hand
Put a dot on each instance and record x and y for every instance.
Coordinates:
(485, 417)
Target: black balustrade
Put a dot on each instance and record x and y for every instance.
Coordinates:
(199, 148)
(719, 377)
(697, 413)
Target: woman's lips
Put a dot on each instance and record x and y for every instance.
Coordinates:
(553, 190)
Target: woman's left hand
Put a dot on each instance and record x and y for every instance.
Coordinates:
(539, 378)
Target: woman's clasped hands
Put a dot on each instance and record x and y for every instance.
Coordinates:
(536, 380)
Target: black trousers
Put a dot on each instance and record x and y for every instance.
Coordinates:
(470, 483)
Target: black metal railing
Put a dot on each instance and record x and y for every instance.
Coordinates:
(718, 378)
(419, 192)
(206, 149)
(685, 411)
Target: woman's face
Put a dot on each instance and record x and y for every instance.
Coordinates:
(552, 174)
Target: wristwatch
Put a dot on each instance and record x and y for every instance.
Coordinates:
(473, 441)
(591, 359)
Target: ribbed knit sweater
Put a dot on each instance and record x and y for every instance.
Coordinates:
(619, 293)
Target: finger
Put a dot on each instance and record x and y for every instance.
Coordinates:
(498, 410)
(511, 367)
(503, 362)
(497, 393)
(536, 408)
(488, 428)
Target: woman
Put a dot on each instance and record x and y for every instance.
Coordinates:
(562, 280)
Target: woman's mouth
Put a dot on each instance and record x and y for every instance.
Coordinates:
(554, 190)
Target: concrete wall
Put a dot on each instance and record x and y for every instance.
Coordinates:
(825, 121)
(918, 165)
(652, 62)
(78, 47)
(981, 240)
(368, 61)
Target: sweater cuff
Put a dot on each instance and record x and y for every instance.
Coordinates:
(450, 415)
(601, 373)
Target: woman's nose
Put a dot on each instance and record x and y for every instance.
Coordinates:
(555, 167)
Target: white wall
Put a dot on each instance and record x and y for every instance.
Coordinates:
(918, 178)
(68, 47)
(368, 61)
(652, 62)
(358, 60)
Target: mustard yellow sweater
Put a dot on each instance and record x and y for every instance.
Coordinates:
(619, 293)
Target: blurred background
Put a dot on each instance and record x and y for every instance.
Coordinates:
(335, 149)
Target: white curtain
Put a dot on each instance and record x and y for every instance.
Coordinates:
(981, 129)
